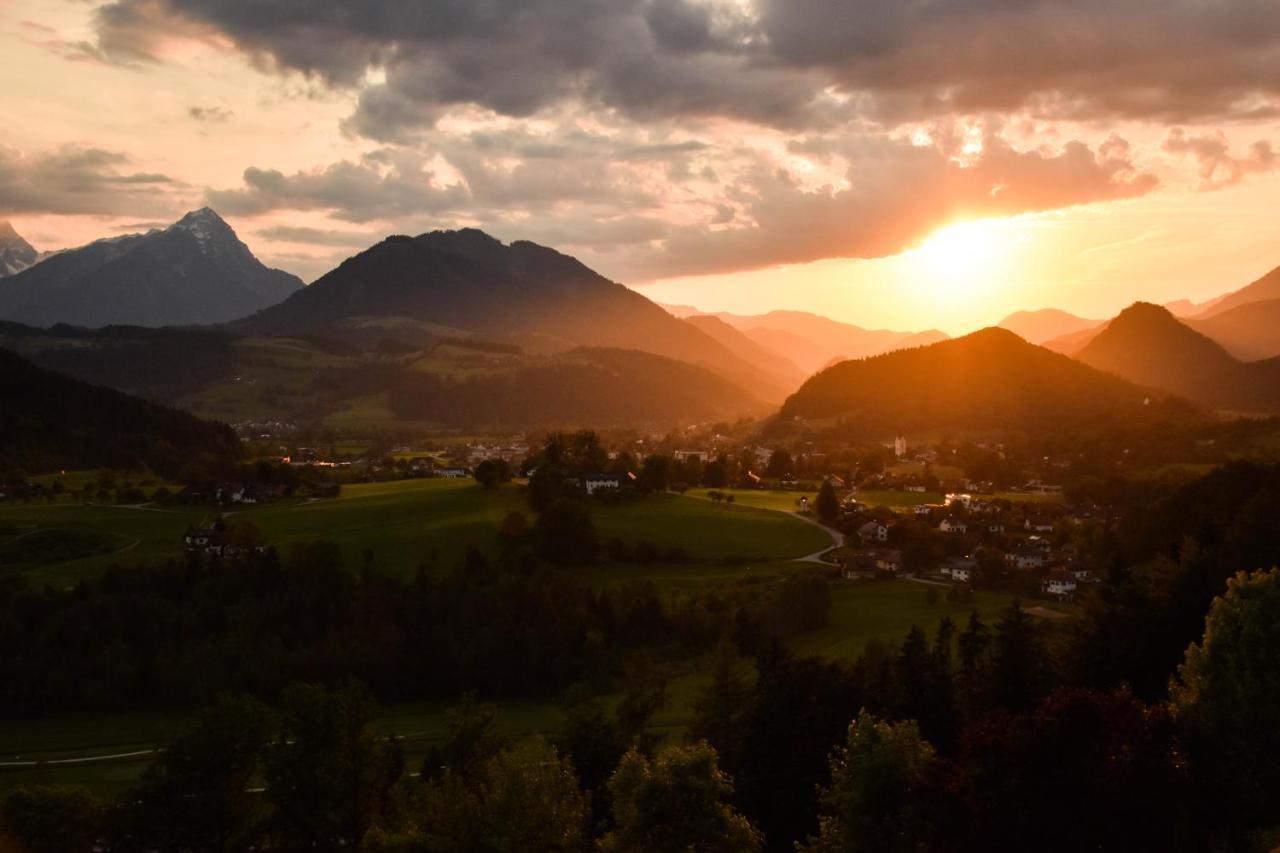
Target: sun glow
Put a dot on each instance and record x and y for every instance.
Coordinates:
(965, 259)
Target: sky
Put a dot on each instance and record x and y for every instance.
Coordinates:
(910, 165)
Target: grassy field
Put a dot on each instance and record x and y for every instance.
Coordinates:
(891, 499)
(887, 610)
(405, 523)
(785, 500)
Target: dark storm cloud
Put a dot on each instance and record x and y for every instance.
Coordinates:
(80, 180)
(777, 62)
(1072, 58)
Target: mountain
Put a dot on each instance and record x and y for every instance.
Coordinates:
(194, 272)
(16, 254)
(812, 341)
(991, 379)
(1249, 332)
(1045, 324)
(1262, 290)
(468, 283)
(50, 422)
(1072, 343)
(587, 386)
(752, 352)
(1148, 345)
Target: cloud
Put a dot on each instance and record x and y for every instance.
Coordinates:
(317, 236)
(779, 63)
(210, 114)
(374, 188)
(572, 191)
(82, 180)
(1218, 168)
(897, 193)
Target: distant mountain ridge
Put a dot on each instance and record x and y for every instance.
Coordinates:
(991, 379)
(468, 281)
(1264, 289)
(812, 341)
(1147, 345)
(1045, 324)
(16, 254)
(195, 272)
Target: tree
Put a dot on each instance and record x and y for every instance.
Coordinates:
(53, 818)
(679, 802)
(492, 473)
(195, 797)
(524, 798)
(1227, 700)
(882, 782)
(827, 504)
(1018, 669)
(328, 775)
(719, 708)
(565, 534)
(780, 464)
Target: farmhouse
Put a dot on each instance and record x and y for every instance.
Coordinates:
(953, 525)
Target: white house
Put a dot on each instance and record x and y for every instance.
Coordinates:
(961, 575)
(1061, 585)
(1024, 560)
(953, 525)
(873, 531)
(1039, 524)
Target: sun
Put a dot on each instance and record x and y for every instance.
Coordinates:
(965, 258)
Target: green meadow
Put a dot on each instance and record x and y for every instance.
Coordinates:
(405, 523)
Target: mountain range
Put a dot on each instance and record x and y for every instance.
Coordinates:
(988, 380)
(196, 271)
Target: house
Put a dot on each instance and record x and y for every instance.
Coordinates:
(959, 569)
(1061, 585)
(453, 473)
(953, 525)
(873, 531)
(995, 527)
(1024, 560)
(593, 483)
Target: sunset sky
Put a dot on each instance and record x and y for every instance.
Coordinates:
(891, 164)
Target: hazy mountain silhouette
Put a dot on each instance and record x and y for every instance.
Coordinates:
(1146, 344)
(466, 280)
(812, 341)
(991, 379)
(1249, 332)
(50, 421)
(752, 352)
(1262, 290)
(196, 271)
(1045, 324)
